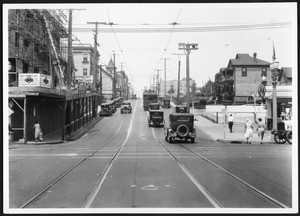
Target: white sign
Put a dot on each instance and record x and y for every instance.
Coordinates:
(34, 79)
(86, 79)
(45, 81)
(26, 79)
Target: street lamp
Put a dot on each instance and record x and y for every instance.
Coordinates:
(274, 69)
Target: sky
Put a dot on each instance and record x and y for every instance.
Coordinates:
(141, 54)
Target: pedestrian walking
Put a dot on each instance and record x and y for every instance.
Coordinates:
(248, 131)
(37, 131)
(261, 129)
(230, 122)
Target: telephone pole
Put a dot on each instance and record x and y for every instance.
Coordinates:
(70, 55)
(187, 47)
(165, 59)
(157, 81)
(95, 52)
(114, 83)
(178, 82)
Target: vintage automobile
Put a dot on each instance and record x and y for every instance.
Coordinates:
(154, 106)
(181, 126)
(126, 107)
(181, 109)
(105, 109)
(156, 118)
(112, 105)
(166, 103)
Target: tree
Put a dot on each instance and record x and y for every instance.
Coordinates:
(171, 91)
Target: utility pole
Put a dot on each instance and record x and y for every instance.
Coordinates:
(95, 52)
(157, 81)
(187, 49)
(165, 76)
(178, 83)
(114, 83)
(69, 51)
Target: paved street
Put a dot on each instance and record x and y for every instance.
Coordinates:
(122, 162)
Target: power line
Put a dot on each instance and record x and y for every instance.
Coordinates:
(192, 28)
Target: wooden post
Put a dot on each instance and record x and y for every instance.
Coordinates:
(25, 122)
(63, 122)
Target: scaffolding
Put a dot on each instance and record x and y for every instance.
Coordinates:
(34, 43)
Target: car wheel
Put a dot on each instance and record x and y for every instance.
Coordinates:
(192, 140)
(279, 140)
(289, 137)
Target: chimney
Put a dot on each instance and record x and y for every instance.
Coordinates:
(254, 57)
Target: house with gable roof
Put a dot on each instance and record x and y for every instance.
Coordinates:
(239, 81)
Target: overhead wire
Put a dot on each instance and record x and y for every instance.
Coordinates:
(129, 72)
(165, 49)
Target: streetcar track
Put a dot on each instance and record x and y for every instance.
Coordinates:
(40, 194)
(238, 179)
(93, 193)
(201, 188)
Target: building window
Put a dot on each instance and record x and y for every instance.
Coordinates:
(244, 72)
(17, 36)
(85, 58)
(264, 72)
(84, 71)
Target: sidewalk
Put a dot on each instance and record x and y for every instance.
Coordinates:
(56, 136)
(220, 132)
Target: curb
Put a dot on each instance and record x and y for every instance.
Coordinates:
(77, 135)
(242, 142)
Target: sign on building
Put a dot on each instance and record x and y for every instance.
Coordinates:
(34, 79)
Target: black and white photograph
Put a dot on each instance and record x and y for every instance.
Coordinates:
(150, 108)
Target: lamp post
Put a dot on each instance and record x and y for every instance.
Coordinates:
(274, 69)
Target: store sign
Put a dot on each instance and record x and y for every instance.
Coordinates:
(30, 80)
(85, 79)
(45, 81)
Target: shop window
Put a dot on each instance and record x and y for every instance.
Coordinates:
(244, 72)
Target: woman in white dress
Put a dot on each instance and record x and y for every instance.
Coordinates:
(248, 131)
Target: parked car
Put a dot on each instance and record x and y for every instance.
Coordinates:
(166, 103)
(126, 107)
(181, 126)
(156, 118)
(154, 106)
(112, 105)
(105, 109)
(181, 109)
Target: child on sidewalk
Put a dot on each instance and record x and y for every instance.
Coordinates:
(37, 131)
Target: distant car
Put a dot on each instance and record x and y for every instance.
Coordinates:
(156, 118)
(126, 107)
(181, 109)
(166, 103)
(154, 106)
(181, 126)
(105, 109)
